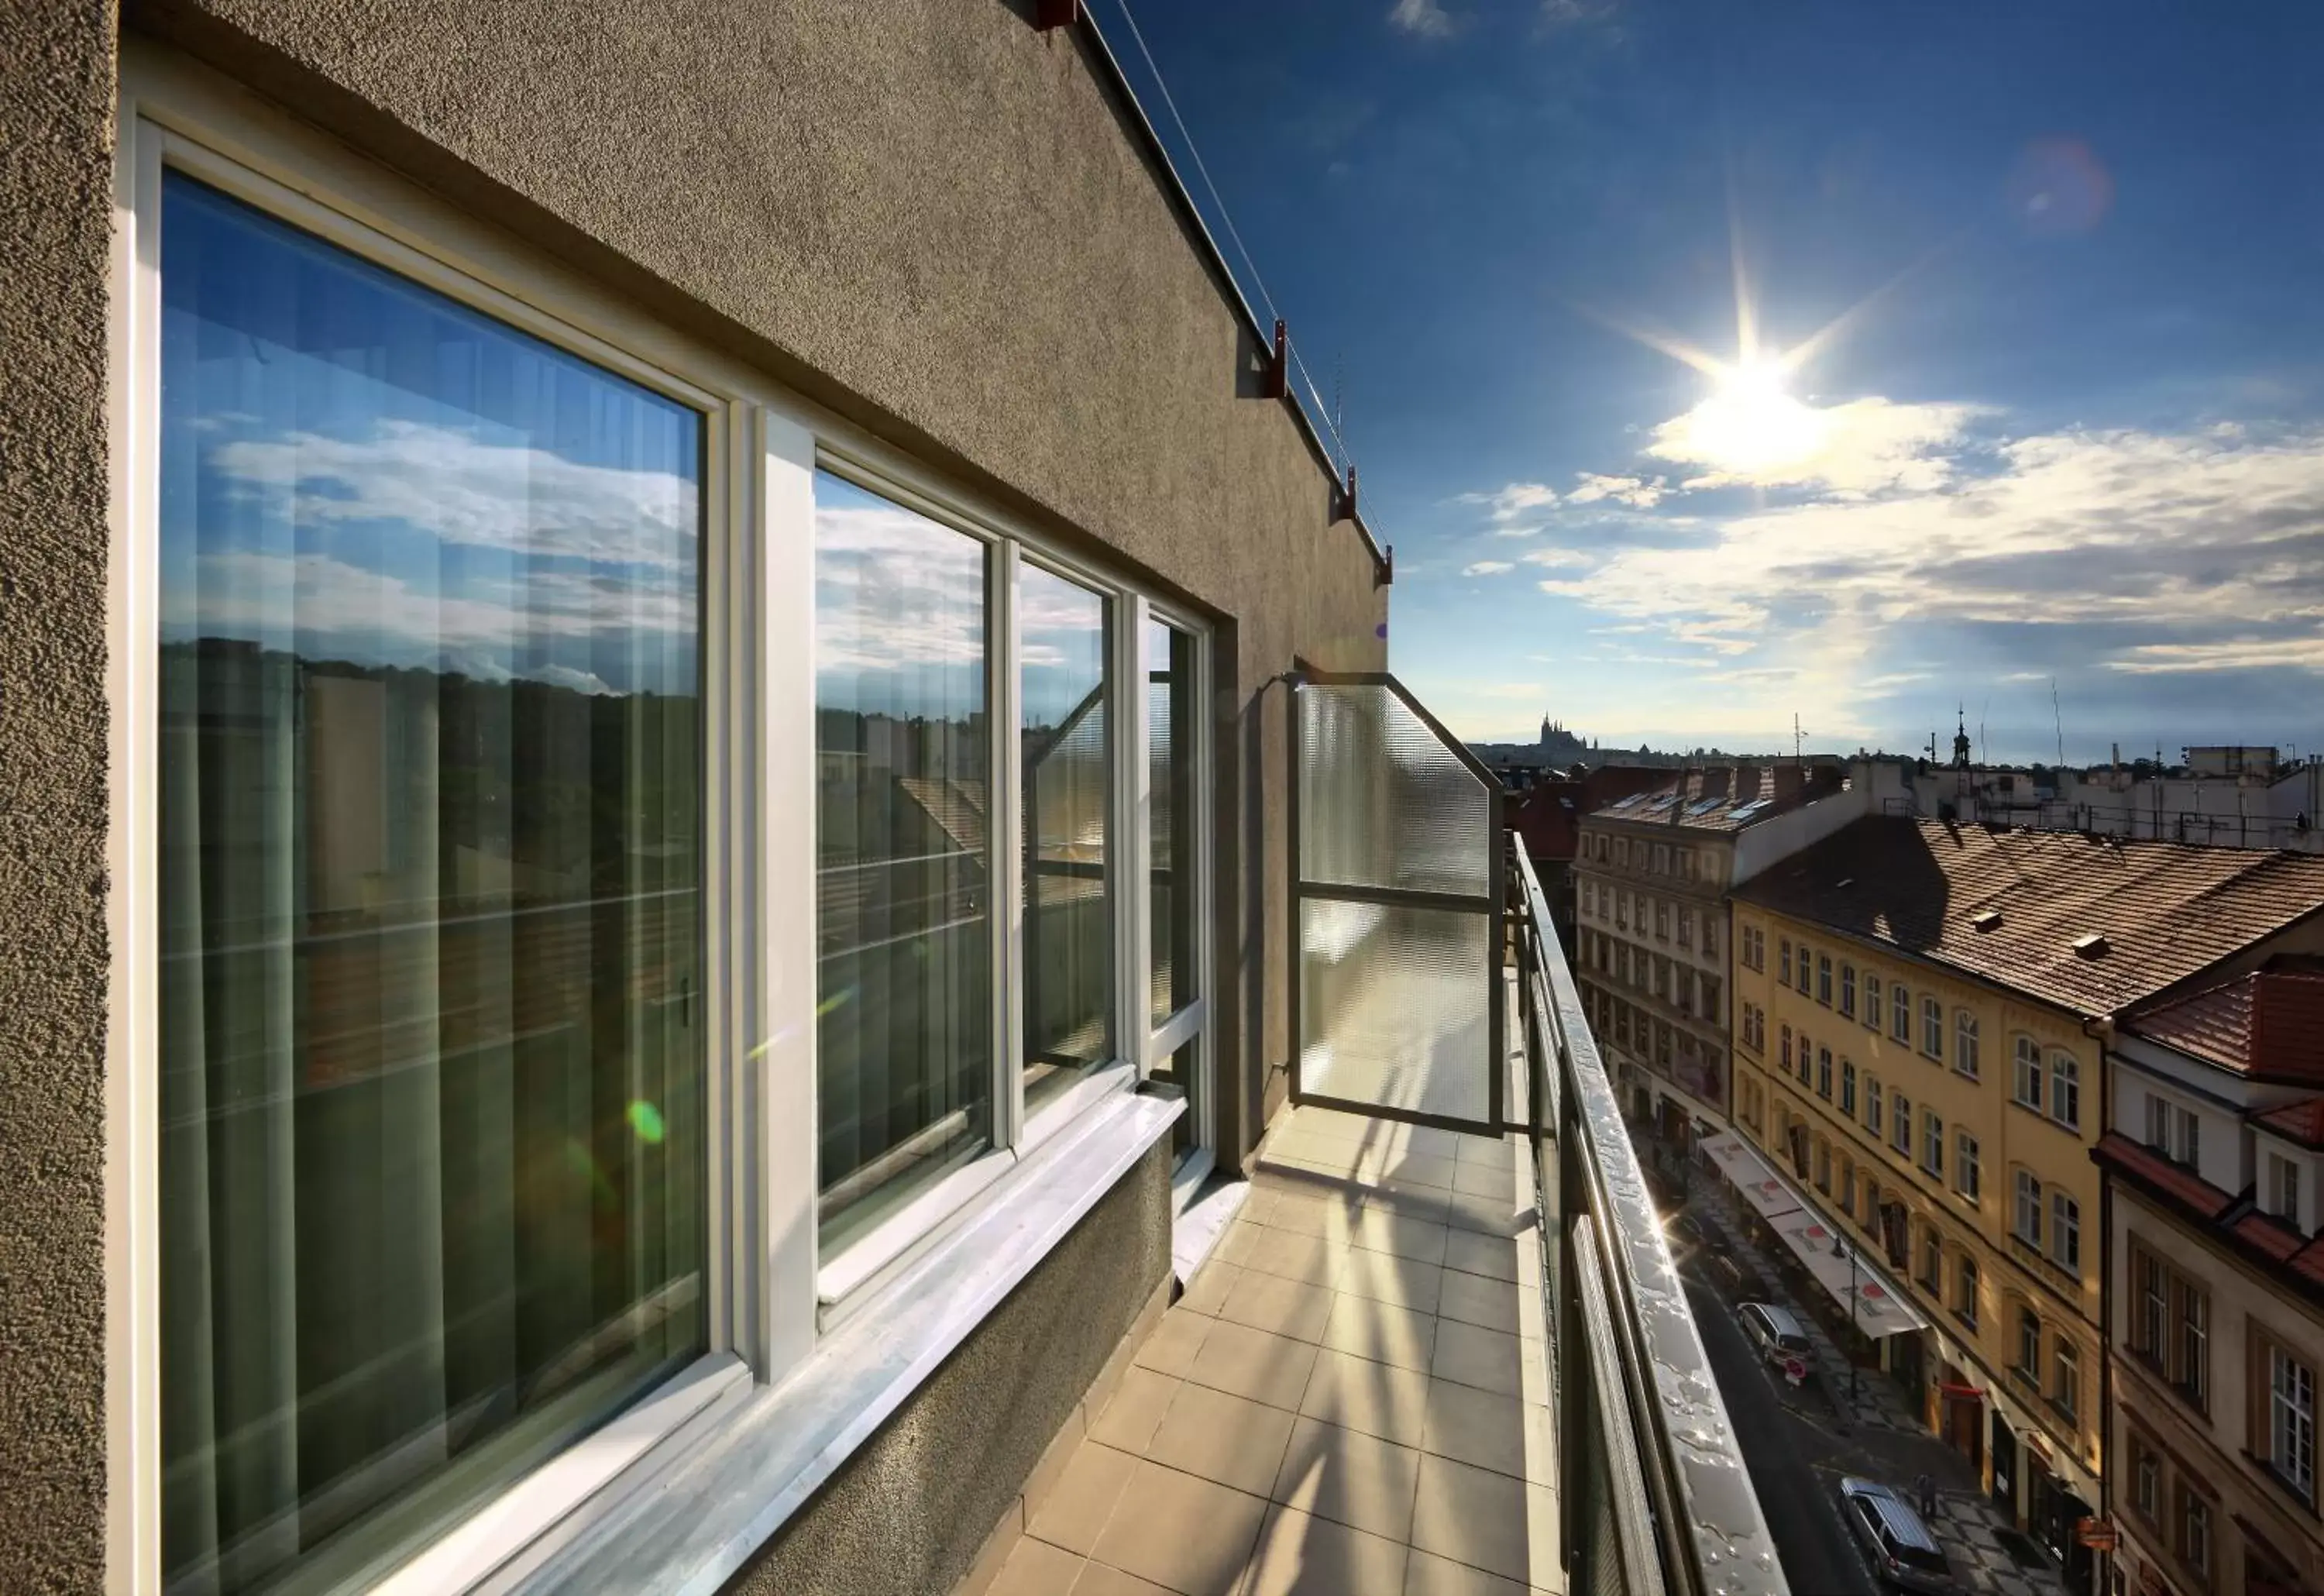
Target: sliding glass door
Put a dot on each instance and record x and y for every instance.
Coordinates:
(1176, 855)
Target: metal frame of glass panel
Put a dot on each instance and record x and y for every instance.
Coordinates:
(1485, 907)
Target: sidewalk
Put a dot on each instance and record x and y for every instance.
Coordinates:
(1885, 1439)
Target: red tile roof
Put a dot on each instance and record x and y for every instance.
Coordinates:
(2167, 910)
(2302, 1122)
(2159, 1174)
(2268, 1023)
(1720, 797)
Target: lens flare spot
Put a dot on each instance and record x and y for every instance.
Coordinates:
(835, 1001)
(646, 1120)
(2059, 189)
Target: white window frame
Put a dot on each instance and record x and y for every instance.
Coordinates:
(2065, 1079)
(2026, 1076)
(771, 1300)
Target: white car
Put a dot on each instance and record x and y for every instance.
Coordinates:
(1780, 1339)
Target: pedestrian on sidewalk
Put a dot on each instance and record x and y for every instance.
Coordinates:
(1926, 1489)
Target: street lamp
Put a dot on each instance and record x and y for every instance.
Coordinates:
(1840, 1249)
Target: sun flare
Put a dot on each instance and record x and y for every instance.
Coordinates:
(1749, 425)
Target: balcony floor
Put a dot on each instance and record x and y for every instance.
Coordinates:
(1351, 1399)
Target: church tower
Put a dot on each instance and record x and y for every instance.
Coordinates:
(1960, 741)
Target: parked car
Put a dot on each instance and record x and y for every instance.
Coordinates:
(1780, 1338)
(1905, 1556)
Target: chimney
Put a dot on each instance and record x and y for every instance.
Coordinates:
(1790, 779)
(1714, 782)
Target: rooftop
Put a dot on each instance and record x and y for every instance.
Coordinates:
(1729, 798)
(2267, 1022)
(2165, 912)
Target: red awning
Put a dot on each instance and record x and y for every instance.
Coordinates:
(1966, 1393)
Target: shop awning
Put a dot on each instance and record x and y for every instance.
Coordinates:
(1751, 1174)
(1859, 1290)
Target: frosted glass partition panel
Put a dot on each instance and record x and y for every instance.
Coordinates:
(1399, 894)
(1386, 802)
(1397, 1002)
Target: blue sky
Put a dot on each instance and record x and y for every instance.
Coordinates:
(2068, 424)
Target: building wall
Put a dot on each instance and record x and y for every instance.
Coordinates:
(56, 143)
(1700, 960)
(2213, 1452)
(2008, 1136)
(911, 1511)
(927, 215)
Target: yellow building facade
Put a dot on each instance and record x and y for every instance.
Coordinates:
(1946, 1120)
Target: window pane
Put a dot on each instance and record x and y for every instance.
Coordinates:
(904, 940)
(1067, 763)
(1173, 806)
(429, 857)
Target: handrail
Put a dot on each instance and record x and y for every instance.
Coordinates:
(1651, 1477)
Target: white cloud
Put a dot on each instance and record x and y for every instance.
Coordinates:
(1425, 18)
(470, 492)
(1862, 447)
(1486, 567)
(1556, 558)
(1638, 493)
(1511, 506)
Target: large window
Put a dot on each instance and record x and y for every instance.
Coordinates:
(2066, 1090)
(1900, 1011)
(430, 842)
(2291, 1421)
(1932, 1028)
(904, 956)
(2025, 1080)
(1065, 783)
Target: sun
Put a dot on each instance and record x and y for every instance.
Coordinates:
(1750, 426)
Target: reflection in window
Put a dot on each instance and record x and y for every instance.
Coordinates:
(1068, 789)
(1171, 728)
(903, 939)
(429, 863)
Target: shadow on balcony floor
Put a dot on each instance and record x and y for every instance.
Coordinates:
(1350, 1400)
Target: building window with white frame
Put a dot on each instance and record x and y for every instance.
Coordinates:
(1872, 1007)
(2026, 1212)
(1900, 1125)
(2065, 1232)
(1933, 1144)
(2291, 1421)
(2065, 1089)
(2284, 1188)
(1710, 934)
(1900, 1013)
(1848, 990)
(1872, 1105)
(1965, 1165)
(2066, 1376)
(1965, 1057)
(429, 834)
(1823, 979)
(1847, 1088)
(1932, 1028)
(2026, 1075)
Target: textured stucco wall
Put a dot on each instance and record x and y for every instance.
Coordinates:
(909, 1512)
(56, 174)
(931, 216)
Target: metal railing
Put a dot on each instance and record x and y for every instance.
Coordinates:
(1655, 1499)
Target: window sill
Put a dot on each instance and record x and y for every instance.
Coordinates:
(736, 1486)
(2288, 1489)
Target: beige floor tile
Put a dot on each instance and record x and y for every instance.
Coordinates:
(1295, 1257)
(1383, 1277)
(1474, 1299)
(1349, 1478)
(1036, 1568)
(1487, 1429)
(1421, 1170)
(1490, 1359)
(1499, 1215)
(1279, 1305)
(1130, 1419)
(1075, 1512)
(1193, 1535)
(1408, 1199)
(1254, 1363)
(1381, 1332)
(1486, 1520)
(1171, 1348)
(1498, 1152)
(1375, 1398)
(1381, 1231)
(1435, 1143)
(1235, 1242)
(1427, 1574)
(1098, 1580)
(1210, 1285)
(1223, 1438)
(1485, 1180)
(1494, 1257)
(1300, 1554)
(1310, 1213)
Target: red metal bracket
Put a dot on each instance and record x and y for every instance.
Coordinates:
(1055, 14)
(1278, 382)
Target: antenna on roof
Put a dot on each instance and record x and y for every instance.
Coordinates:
(1797, 735)
(2058, 719)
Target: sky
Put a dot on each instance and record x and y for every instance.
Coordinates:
(1710, 364)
